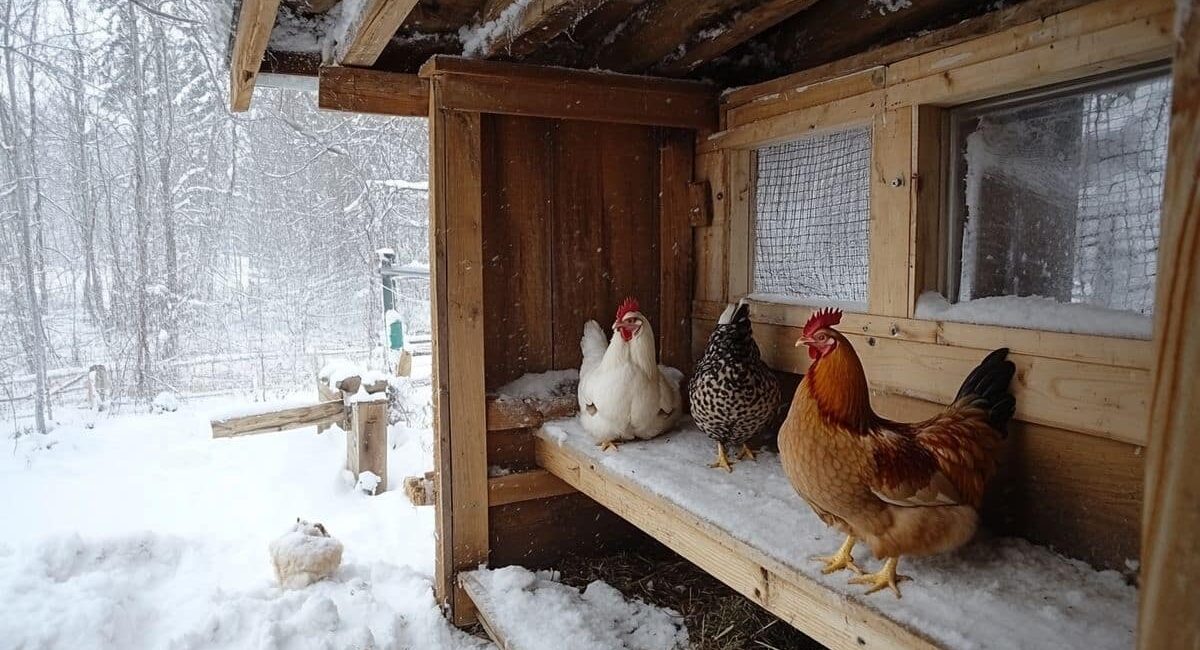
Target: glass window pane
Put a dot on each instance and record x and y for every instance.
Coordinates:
(811, 218)
(1060, 196)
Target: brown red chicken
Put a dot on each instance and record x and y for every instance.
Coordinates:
(904, 489)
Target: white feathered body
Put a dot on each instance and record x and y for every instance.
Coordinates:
(305, 555)
(623, 393)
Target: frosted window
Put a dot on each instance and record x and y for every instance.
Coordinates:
(1060, 196)
(811, 217)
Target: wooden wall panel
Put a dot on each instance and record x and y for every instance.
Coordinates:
(536, 534)
(518, 204)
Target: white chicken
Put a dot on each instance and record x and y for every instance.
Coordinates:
(304, 555)
(623, 393)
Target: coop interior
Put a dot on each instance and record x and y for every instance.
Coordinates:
(954, 183)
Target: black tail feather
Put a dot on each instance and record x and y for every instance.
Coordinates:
(988, 385)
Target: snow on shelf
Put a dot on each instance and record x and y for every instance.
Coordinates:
(531, 611)
(1036, 312)
(995, 593)
(541, 385)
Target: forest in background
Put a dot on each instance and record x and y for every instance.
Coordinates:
(188, 249)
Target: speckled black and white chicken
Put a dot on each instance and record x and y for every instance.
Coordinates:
(734, 395)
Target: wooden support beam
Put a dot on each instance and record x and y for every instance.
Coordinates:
(358, 90)
(255, 21)
(460, 448)
(538, 91)
(367, 441)
(530, 25)
(505, 414)
(1171, 520)
(525, 486)
(330, 412)
(370, 29)
(725, 34)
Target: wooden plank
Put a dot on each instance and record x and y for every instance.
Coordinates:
(838, 114)
(740, 226)
(806, 96)
(888, 289)
(1121, 46)
(1106, 401)
(357, 90)
(978, 38)
(504, 414)
(928, 247)
(458, 282)
(709, 247)
(525, 486)
(675, 251)
(322, 413)
(826, 616)
(536, 91)
(1170, 566)
(255, 21)
(367, 441)
(517, 178)
(532, 24)
(487, 610)
(369, 30)
(704, 45)
(1099, 350)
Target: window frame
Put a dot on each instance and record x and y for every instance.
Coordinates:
(953, 206)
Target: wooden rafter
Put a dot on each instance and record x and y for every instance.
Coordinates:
(728, 34)
(535, 24)
(657, 29)
(369, 31)
(255, 21)
(370, 91)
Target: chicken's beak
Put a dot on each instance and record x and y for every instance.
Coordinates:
(804, 340)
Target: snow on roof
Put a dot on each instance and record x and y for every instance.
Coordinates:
(994, 593)
(537, 613)
(297, 32)
(477, 37)
(401, 184)
(1038, 313)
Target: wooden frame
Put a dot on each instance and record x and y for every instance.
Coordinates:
(1170, 566)
(255, 21)
(1092, 384)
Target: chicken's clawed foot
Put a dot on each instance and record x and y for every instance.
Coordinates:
(745, 453)
(722, 461)
(884, 577)
(607, 445)
(843, 559)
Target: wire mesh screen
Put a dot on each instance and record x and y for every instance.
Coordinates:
(1062, 196)
(811, 217)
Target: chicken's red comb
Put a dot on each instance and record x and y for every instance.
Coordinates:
(630, 304)
(822, 318)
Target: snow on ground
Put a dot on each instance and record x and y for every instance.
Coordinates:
(144, 532)
(994, 593)
(537, 613)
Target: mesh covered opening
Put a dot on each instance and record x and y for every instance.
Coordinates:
(812, 213)
(1060, 196)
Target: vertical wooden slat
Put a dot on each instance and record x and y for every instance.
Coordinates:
(255, 21)
(1171, 521)
(709, 241)
(628, 169)
(888, 289)
(460, 408)
(675, 249)
(928, 252)
(741, 222)
(518, 174)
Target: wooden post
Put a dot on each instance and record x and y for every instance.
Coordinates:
(366, 442)
(1171, 514)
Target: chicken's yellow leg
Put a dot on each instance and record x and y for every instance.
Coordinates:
(745, 453)
(608, 444)
(843, 559)
(722, 460)
(885, 577)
